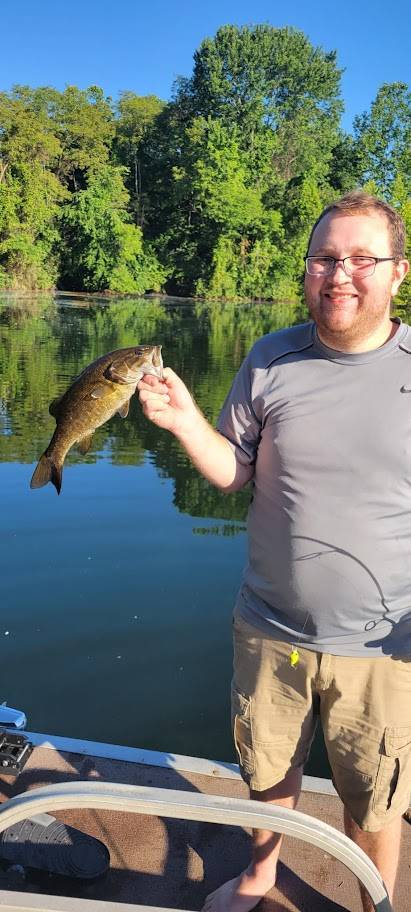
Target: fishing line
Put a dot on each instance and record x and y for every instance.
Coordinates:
(294, 656)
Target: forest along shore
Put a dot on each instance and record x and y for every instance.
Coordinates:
(209, 195)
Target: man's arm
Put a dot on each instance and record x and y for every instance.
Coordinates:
(169, 405)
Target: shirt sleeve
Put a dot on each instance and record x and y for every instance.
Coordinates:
(238, 422)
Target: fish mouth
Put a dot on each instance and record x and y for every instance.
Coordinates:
(158, 361)
(153, 363)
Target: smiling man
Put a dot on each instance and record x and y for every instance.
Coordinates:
(355, 264)
(319, 419)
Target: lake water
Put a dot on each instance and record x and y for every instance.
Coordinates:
(116, 597)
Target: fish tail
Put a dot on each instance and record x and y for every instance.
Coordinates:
(47, 470)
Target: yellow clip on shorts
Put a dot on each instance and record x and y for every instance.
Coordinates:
(365, 710)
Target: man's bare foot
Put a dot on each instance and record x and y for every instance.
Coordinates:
(239, 895)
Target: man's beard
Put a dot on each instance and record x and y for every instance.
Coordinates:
(339, 327)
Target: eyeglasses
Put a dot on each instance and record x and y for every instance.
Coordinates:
(354, 265)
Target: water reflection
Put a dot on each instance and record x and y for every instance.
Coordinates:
(47, 341)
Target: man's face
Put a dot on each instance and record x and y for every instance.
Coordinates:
(352, 308)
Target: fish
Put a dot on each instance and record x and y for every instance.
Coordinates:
(104, 388)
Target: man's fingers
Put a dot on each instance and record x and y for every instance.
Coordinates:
(166, 402)
(157, 413)
(148, 395)
(149, 382)
(169, 375)
(154, 405)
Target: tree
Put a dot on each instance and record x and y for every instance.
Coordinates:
(50, 143)
(102, 250)
(261, 77)
(383, 138)
(401, 199)
(345, 165)
(220, 186)
(30, 195)
(260, 113)
(84, 124)
(135, 115)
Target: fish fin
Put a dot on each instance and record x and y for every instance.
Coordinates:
(85, 443)
(54, 406)
(98, 391)
(124, 409)
(46, 471)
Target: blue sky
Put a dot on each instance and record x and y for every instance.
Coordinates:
(144, 46)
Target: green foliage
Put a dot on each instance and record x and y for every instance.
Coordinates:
(84, 124)
(220, 178)
(135, 116)
(259, 76)
(401, 199)
(345, 165)
(30, 194)
(224, 272)
(102, 250)
(383, 139)
(212, 194)
(303, 206)
(258, 117)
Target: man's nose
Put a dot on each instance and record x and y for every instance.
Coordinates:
(339, 274)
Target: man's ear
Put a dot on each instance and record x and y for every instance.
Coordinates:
(400, 271)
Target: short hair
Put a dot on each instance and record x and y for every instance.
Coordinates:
(357, 202)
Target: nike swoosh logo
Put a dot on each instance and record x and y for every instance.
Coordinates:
(405, 389)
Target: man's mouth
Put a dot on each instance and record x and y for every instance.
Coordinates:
(338, 297)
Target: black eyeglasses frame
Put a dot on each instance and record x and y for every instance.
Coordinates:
(342, 260)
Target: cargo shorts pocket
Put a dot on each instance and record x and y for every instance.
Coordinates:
(393, 783)
(242, 730)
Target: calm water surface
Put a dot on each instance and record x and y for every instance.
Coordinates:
(116, 597)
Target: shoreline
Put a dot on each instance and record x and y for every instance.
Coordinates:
(162, 296)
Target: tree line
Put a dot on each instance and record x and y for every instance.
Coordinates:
(210, 195)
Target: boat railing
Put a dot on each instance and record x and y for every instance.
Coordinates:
(160, 802)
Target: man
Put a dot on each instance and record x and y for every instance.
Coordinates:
(319, 416)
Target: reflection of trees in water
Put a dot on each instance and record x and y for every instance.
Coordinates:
(28, 362)
(47, 347)
(194, 495)
(226, 530)
(47, 341)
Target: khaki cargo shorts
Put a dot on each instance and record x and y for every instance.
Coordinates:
(365, 710)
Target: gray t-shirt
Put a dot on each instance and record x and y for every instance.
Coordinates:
(329, 435)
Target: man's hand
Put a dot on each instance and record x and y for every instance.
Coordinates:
(168, 403)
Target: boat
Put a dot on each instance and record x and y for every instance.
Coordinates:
(176, 827)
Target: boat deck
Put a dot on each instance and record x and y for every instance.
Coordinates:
(174, 864)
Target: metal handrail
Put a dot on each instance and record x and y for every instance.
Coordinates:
(241, 812)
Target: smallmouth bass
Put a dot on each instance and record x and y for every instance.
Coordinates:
(103, 389)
